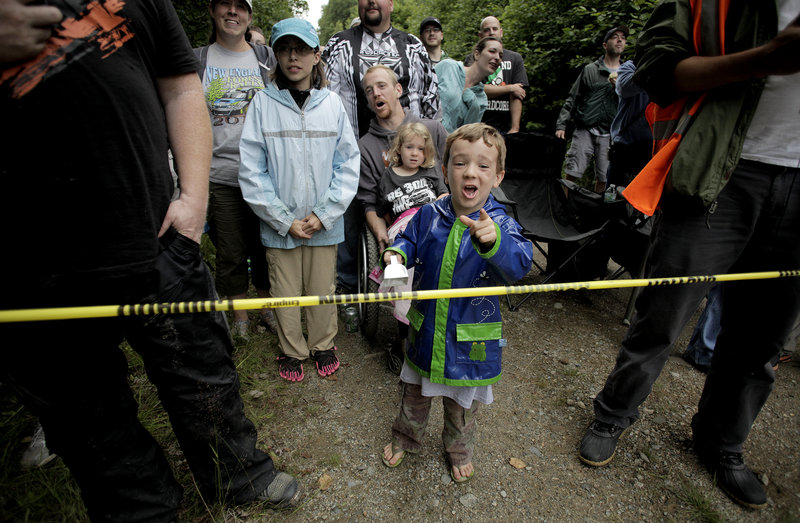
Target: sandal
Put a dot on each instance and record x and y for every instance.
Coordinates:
(290, 369)
(399, 460)
(462, 479)
(326, 361)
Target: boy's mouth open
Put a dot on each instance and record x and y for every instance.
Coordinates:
(470, 191)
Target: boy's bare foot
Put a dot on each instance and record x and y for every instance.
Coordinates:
(462, 473)
(392, 459)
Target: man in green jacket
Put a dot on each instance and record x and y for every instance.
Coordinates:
(592, 104)
(731, 204)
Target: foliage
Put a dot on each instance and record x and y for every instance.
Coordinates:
(336, 16)
(197, 24)
(557, 38)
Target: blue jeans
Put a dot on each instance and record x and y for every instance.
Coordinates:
(756, 227)
(701, 347)
(73, 375)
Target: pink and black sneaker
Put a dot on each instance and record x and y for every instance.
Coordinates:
(326, 361)
(290, 368)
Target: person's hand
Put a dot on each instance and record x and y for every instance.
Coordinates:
(483, 230)
(517, 91)
(297, 230)
(782, 53)
(387, 257)
(383, 241)
(560, 134)
(187, 215)
(311, 224)
(24, 29)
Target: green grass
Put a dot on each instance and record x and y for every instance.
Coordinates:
(333, 460)
(51, 494)
(48, 494)
(699, 507)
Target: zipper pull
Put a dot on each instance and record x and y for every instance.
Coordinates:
(711, 210)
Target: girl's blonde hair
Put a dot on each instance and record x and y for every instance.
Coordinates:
(407, 131)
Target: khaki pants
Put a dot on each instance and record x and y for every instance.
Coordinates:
(304, 271)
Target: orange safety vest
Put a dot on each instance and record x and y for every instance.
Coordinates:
(670, 123)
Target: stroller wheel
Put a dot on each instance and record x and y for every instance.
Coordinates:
(394, 357)
(394, 363)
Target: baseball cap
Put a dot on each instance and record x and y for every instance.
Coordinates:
(428, 21)
(298, 27)
(620, 28)
(248, 2)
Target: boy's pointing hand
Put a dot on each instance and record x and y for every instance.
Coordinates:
(483, 230)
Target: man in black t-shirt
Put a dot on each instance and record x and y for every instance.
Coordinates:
(95, 106)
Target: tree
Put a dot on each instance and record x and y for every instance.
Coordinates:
(557, 38)
(336, 16)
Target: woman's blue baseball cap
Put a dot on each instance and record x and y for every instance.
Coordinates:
(298, 27)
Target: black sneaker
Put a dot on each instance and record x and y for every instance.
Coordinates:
(599, 443)
(734, 477)
(282, 492)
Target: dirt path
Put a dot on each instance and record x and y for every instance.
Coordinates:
(561, 348)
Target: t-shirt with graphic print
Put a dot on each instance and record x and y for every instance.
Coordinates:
(230, 80)
(511, 71)
(401, 193)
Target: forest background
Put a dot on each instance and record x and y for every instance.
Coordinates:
(555, 37)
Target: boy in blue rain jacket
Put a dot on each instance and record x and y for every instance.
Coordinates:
(455, 344)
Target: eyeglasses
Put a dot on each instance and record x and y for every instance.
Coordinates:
(285, 50)
(431, 30)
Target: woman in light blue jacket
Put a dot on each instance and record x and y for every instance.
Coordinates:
(461, 86)
(299, 171)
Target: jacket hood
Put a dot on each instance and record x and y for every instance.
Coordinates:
(376, 129)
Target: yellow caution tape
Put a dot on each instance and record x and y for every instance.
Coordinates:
(147, 309)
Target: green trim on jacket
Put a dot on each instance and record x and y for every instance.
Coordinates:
(455, 383)
(443, 304)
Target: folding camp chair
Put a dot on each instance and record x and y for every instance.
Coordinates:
(550, 210)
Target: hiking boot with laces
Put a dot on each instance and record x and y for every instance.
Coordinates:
(327, 361)
(282, 492)
(599, 443)
(290, 368)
